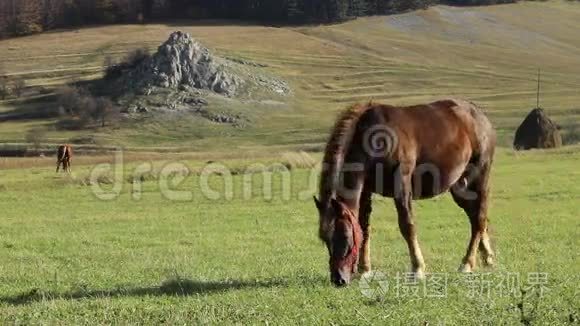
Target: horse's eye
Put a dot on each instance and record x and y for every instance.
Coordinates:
(340, 246)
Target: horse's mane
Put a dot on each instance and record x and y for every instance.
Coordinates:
(336, 148)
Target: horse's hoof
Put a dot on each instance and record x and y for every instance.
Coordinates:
(465, 268)
(419, 274)
(364, 269)
(488, 261)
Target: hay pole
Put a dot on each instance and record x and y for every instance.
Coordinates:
(538, 91)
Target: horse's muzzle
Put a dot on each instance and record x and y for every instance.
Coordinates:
(340, 279)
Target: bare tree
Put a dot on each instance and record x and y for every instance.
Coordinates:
(35, 136)
(108, 62)
(25, 17)
(74, 101)
(18, 86)
(77, 105)
(110, 68)
(4, 91)
(105, 110)
(136, 57)
(87, 109)
(68, 98)
(53, 13)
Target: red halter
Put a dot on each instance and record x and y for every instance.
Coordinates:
(352, 256)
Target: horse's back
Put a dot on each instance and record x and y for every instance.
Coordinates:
(482, 134)
(449, 123)
(439, 138)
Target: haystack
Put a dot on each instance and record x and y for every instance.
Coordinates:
(537, 131)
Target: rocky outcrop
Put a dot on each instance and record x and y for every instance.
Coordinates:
(182, 62)
(183, 77)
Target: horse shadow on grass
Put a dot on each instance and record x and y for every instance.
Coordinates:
(179, 287)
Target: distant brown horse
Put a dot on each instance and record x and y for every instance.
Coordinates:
(405, 153)
(63, 156)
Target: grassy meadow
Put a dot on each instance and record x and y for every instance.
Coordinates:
(146, 257)
(187, 251)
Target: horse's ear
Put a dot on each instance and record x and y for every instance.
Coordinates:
(317, 203)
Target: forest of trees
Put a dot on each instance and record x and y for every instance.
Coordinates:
(22, 17)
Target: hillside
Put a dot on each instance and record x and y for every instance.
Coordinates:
(486, 54)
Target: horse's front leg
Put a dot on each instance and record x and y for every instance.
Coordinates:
(403, 202)
(365, 207)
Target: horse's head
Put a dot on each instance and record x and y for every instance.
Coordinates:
(342, 234)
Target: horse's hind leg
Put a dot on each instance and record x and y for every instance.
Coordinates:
(474, 200)
(407, 224)
(364, 264)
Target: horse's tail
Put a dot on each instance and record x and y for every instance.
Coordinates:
(61, 152)
(68, 156)
(485, 134)
(484, 147)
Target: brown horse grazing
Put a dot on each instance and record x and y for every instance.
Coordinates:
(63, 156)
(405, 153)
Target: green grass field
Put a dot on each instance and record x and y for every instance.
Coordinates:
(153, 256)
(70, 258)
